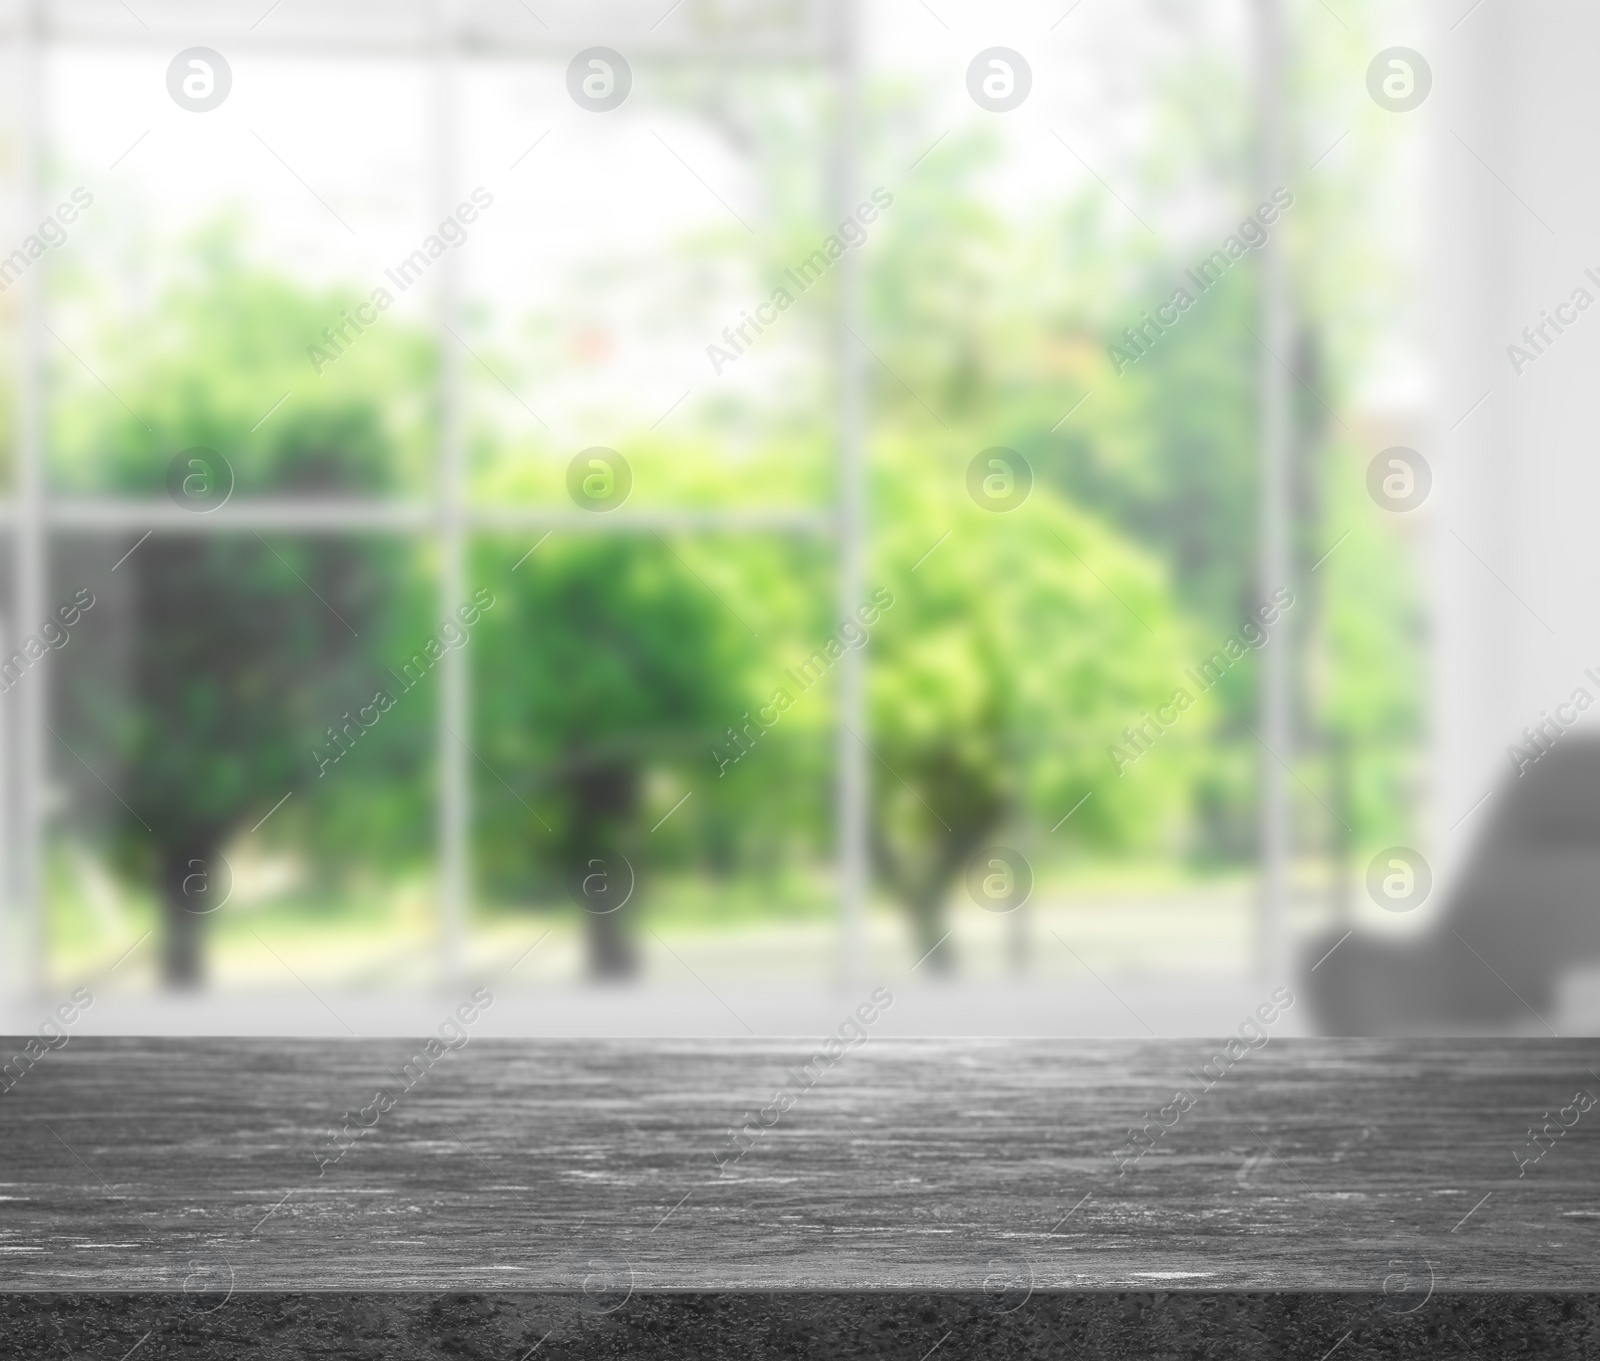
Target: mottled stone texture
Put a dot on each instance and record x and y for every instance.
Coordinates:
(754, 1325)
(1387, 1197)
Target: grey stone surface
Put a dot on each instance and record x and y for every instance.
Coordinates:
(1386, 1192)
(756, 1325)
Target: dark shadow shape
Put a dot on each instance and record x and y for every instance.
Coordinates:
(1525, 909)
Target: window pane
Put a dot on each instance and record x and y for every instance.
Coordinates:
(223, 282)
(612, 285)
(235, 757)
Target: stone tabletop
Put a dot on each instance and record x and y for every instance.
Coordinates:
(1013, 1174)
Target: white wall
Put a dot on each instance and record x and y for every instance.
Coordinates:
(1518, 482)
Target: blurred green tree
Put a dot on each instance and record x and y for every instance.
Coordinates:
(612, 657)
(244, 650)
(1014, 656)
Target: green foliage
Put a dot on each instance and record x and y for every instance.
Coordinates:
(217, 347)
(244, 648)
(999, 327)
(1017, 648)
(1014, 654)
(610, 667)
(601, 652)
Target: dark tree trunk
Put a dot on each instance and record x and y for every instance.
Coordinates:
(928, 916)
(970, 804)
(925, 888)
(611, 950)
(929, 903)
(184, 875)
(605, 797)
